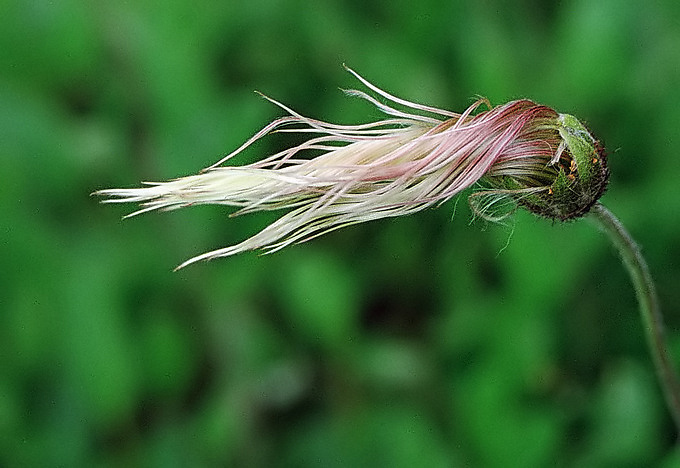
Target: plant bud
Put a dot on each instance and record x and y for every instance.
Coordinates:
(555, 168)
(522, 153)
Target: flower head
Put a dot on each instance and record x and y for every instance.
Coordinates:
(525, 153)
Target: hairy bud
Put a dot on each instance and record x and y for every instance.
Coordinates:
(522, 153)
(555, 168)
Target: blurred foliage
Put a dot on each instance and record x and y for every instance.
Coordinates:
(422, 341)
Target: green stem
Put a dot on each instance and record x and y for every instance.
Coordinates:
(649, 305)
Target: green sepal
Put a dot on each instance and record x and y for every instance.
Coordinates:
(580, 143)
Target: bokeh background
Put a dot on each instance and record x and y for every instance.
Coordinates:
(424, 341)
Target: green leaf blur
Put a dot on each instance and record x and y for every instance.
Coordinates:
(422, 341)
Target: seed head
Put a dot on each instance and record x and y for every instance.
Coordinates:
(520, 152)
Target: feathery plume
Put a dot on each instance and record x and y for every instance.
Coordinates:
(525, 153)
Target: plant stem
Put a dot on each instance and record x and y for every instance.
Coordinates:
(652, 318)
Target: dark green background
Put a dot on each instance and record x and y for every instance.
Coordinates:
(421, 341)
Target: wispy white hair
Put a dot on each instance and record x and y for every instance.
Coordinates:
(415, 158)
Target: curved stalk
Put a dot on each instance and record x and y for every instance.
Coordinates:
(652, 318)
